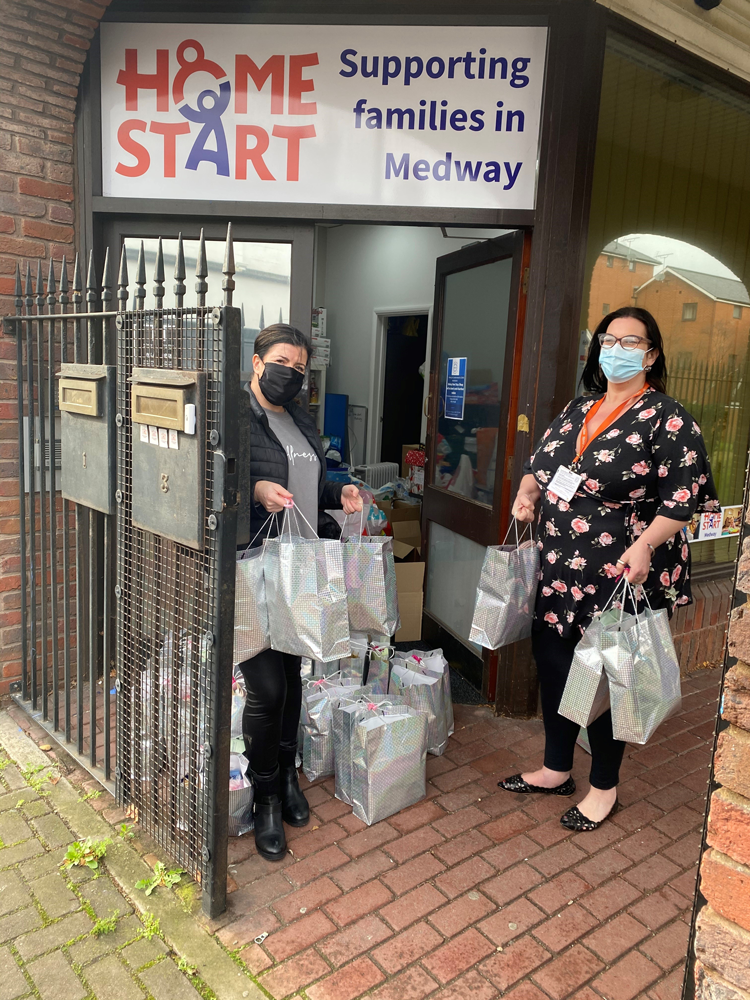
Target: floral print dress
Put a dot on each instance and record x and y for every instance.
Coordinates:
(650, 461)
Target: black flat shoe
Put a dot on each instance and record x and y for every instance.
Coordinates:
(516, 784)
(576, 821)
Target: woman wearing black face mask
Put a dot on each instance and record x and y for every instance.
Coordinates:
(286, 462)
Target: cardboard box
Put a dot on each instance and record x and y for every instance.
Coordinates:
(410, 587)
(406, 525)
(319, 322)
(404, 465)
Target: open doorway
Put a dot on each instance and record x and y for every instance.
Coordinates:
(405, 345)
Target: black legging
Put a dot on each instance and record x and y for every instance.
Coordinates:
(554, 654)
(271, 716)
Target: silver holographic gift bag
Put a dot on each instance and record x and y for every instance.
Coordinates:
(506, 594)
(586, 694)
(347, 712)
(240, 796)
(424, 693)
(378, 662)
(370, 575)
(250, 611)
(388, 757)
(434, 663)
(306, 597)
(316, 719)
(644, 674)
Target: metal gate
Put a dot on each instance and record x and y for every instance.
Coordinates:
(141, 562)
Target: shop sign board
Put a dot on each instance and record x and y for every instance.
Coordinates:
(334, 114)
(455, 389)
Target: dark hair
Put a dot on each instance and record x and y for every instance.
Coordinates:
(280, 333)
(593, 378)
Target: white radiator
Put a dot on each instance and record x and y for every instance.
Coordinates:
(377, 475)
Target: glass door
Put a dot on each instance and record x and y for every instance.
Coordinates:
(475, 366)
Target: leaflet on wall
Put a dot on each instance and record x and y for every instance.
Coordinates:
(715, 524)
(335, 114)
(455, 389)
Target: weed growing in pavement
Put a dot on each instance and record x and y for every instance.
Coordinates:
(160, 877)
(86, 796)
(4, 763)
(105, 925)
(126, 831)
(151, 926)
(20, 803)
(33, 777)
(184, 966)
(85, 852)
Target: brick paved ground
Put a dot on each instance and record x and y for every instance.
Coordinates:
(475, 892)
(47, 947)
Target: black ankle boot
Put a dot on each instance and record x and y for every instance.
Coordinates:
(270, 839)
(295, 810)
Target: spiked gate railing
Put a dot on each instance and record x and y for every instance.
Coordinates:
(145, 642)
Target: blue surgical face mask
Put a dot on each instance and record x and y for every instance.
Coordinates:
(620, 365)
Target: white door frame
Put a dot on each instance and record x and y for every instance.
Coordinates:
(377, 371)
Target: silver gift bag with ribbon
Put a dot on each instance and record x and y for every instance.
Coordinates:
(434, 663)
(306, 596)
(586, 693)
(240, 796)
(347, 712)
(388, 756)
(424, 693)
(316, 719)
(250, 610)
(370, 575)
(506, 594)
(237, 740)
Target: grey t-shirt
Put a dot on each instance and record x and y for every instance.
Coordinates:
(304, 471)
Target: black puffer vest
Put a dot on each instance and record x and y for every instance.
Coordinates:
(268, 462)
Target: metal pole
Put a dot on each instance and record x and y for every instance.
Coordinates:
(32, 488)
(21, 490)
(53, 500)
(93, 564)
(65, 517)
(42, 487)
(80, 534)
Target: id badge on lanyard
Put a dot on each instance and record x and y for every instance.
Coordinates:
(564, 483)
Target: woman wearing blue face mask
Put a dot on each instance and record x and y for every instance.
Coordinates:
(618, 475)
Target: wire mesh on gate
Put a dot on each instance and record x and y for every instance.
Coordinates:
(164, 655)
(167, 595)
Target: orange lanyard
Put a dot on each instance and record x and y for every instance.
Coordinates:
(584, 436)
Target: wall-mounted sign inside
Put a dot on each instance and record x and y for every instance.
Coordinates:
(344, 114)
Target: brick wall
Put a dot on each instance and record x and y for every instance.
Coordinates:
(43, 45)
(700, 629)
(722, 941)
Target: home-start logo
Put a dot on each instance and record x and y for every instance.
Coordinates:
(290, 83)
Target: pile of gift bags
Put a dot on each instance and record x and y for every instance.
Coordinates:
(304, 595)
(374, 735)
(626, 662)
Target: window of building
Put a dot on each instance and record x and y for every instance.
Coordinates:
(610, 261)
(689, 311)
(631, 265)
(649, 105)
(737, 312)
(605, 308)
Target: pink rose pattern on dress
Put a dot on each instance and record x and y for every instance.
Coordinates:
(659, 445)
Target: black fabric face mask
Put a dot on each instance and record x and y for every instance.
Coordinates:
(280, 384)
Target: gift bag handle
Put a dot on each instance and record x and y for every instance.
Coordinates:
(361, 521)
(290, 508)
(271, 517)
(519, 539)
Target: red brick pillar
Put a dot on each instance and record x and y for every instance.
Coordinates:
(722, 942)
(43, 45)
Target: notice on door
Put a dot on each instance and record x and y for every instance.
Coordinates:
(455, 389)
(334, 114)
